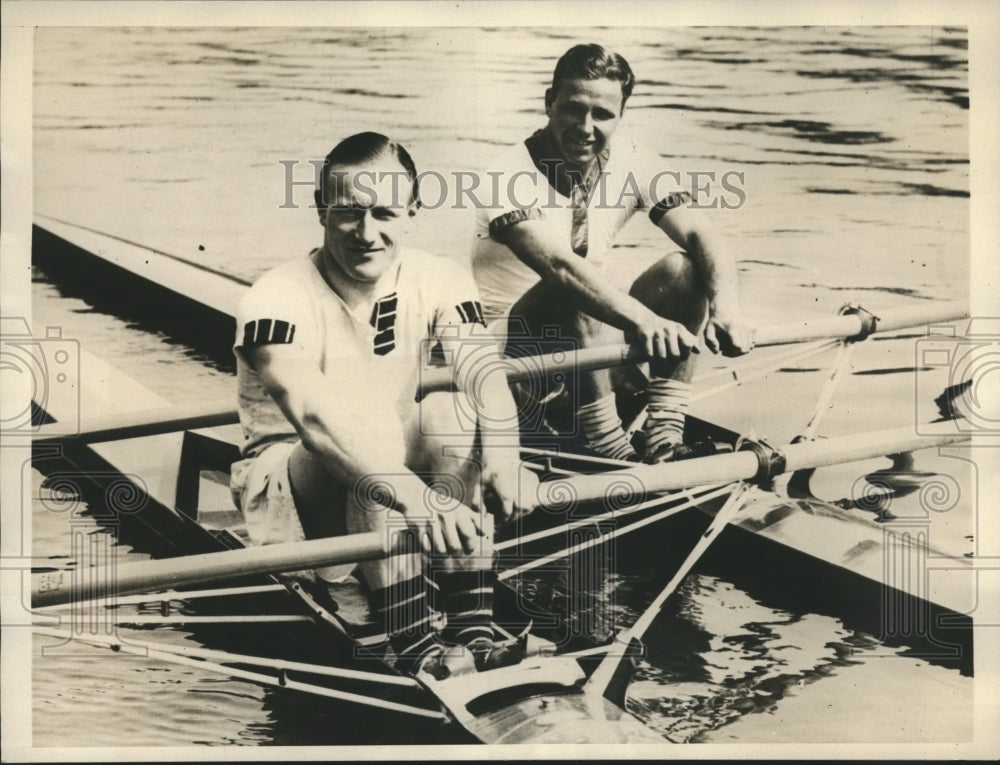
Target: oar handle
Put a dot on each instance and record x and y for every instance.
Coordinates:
(54, 588)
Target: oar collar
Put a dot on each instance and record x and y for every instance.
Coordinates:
(869, 321)
(770, 461)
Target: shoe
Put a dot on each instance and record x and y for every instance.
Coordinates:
(490, 654)
(678, 452)
(442, 661)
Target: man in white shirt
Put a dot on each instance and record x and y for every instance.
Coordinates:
(542, 255)
(328, 349)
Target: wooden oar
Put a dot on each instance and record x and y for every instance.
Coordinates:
(745, 465)
(840, 326)
(148, 422)
(134, 425)
(53, 588)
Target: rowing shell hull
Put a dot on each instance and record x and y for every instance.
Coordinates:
(153, 464)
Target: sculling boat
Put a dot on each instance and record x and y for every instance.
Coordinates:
(571, 687)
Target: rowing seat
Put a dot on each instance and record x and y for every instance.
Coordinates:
(204, 467)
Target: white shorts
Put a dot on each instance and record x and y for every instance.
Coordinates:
(262, 490)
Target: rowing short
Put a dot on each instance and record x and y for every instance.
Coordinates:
(262, 490)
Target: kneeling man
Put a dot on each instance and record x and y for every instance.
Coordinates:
(543, 256)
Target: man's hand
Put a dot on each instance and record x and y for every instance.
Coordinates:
(450, 531)
(729, 334)
(509, 490)
(662, 338)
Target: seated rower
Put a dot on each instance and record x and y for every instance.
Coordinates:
(328, 349)
(542, 257)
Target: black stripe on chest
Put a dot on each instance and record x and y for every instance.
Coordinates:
(384, 321)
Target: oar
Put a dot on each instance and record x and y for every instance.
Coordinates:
(148, 422)
(154, 422)
(849, 325)
(54, 588)
(598, 682)
(754, 463)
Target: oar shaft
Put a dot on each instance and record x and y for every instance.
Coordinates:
(834, 451)
(742, 465)
(849, 325)
(145, 576)
(148, 422)
(820, 328)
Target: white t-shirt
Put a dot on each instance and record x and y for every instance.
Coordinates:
(631, 179)
(384, 342)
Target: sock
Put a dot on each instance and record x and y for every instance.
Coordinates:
(665, 413)
(466, 598)
(409, 622)
(602, 428)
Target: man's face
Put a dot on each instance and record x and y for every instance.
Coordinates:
(583, 115)
(368, 209)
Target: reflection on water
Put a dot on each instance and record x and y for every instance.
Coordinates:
(853, 143)
(719, 655)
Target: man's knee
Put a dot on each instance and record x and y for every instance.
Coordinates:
(548, 314)
(673, 288)
(441, 432)
(320, 499)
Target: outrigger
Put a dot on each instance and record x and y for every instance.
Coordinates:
(571, 688)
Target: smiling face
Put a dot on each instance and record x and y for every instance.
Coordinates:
(583, 115)
(368, 208)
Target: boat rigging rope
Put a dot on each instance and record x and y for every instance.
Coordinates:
(190, 657)
(602, 538)
(602, 676)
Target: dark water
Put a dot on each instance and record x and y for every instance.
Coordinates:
(854, 148)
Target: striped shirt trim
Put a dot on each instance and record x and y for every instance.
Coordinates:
(471, 312)
(511, 218)
(384, 320)
(673, 200)
(267, 332)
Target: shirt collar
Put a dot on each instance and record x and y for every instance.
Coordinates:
(545, 157)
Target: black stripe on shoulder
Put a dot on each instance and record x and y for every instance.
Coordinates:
(673, 200)
(267, 332)
(471, 312)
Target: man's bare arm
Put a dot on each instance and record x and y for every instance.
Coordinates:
(717, 269)
(480, 375)
(325, 413)
(535, 244)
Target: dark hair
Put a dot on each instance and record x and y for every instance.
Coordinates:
(591, 61)
(365, 147)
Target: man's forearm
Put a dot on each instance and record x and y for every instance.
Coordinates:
(591, 292)
(718, 271)
(354, 452)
